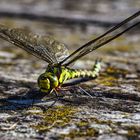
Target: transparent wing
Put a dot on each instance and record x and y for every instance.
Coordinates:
(43, 47)
(108, 36)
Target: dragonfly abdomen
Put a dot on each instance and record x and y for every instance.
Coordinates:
(85, 73)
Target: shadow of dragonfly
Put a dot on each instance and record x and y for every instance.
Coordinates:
(35, 98)
(32, 98)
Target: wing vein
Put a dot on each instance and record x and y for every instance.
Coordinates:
(87, 48)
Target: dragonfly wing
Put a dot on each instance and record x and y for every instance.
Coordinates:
(43, 47)
(103, 39)
(88, 49)
(61, 51)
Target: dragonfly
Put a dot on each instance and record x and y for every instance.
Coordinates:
(55, 53)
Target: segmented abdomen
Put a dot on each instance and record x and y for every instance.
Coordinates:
(86, 73)
(67, 73)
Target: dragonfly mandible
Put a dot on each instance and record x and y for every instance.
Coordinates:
(56, 54)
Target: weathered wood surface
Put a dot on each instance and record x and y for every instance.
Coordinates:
(112, 113)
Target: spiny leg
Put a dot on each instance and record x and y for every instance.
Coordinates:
(57, 98)
(85, 92)
(61, 98)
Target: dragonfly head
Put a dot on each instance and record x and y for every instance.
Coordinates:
(47, 81)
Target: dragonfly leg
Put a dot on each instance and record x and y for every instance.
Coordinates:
(85, 92)
(50, 106)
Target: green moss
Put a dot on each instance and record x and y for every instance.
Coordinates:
(82, 124)
(115, 72)
(110, 76)
(107, 81)
(131, 133)
(95, 120)
(82, 129)
(89, 132)
(55, 117)
(133, 130)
